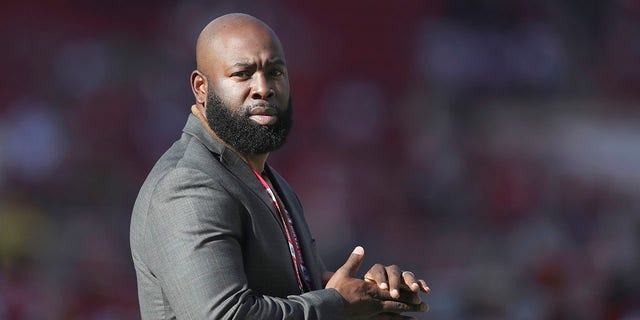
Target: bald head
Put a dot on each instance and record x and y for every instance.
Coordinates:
(230, 26)
(242, 84)
(235, 45)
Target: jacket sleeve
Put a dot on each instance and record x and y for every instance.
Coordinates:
(194, 233)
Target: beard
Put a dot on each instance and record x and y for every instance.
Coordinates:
(243, 134)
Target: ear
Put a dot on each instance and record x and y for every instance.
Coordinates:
(199, 86)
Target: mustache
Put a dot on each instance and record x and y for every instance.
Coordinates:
(262, 109)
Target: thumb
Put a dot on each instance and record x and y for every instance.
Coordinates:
(353, 263)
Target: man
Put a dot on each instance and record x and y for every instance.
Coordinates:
(216, 233)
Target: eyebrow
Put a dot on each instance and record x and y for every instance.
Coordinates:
(276, 61)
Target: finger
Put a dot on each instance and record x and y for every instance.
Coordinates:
(410, 280)
(400, 307)
(410, 297)
(394, 278)
(378, 275)
(405, 296)
(423, 286)
(353, 263)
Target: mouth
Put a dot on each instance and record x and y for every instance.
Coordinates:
(263, 115)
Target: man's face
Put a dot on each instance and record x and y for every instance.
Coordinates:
(248, 99)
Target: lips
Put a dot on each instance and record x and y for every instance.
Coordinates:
(264, 115)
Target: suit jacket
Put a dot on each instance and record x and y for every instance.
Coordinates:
(207, 241)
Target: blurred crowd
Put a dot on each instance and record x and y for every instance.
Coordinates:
(489, 146)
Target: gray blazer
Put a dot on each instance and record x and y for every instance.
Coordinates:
(207, 241)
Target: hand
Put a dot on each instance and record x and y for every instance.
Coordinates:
(391, 278)
(363, 299)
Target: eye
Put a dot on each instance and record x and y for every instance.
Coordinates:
(241, 74)
(277, 73)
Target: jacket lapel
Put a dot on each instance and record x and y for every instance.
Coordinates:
(243, 172)
(299, 224)
(232, 162)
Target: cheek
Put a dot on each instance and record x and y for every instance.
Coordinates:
(234, 94)
(284, 92)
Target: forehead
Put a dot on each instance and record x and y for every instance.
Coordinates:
(249, 44)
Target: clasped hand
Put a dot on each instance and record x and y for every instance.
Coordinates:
(384, 293)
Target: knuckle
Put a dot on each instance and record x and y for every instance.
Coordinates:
(400, 306)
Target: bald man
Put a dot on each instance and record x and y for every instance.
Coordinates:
(216, 233)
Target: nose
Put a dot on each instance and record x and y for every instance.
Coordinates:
(261, 88)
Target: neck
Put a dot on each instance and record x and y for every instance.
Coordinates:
(255, 161)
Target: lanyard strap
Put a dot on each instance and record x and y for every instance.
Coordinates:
(292, 239)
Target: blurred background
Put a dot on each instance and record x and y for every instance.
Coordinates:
(493, 147)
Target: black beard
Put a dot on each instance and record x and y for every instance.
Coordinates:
(241, 133)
